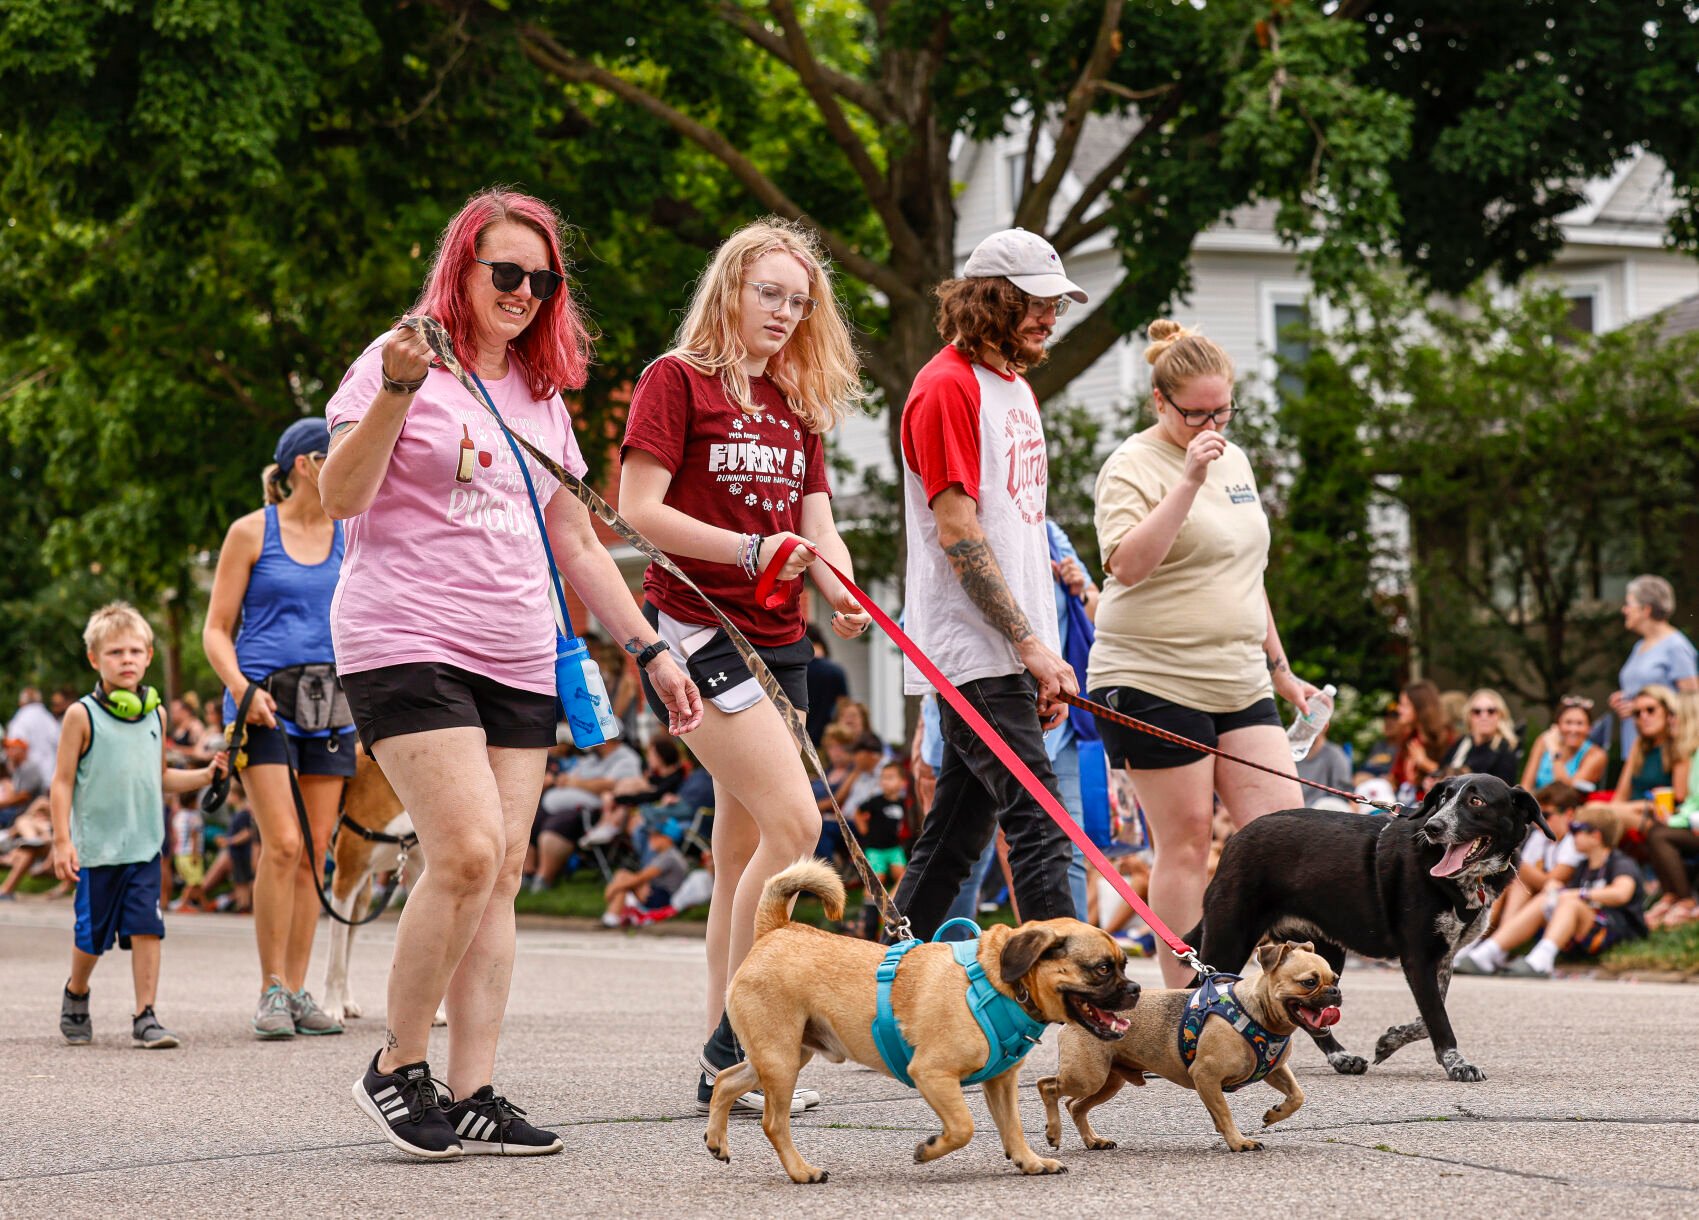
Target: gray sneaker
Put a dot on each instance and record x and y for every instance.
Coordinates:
(272, 1019)
(309, 1018)
(149, 1033)
(74, 1019)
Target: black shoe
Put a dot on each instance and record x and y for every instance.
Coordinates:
(73, 1019)
(408, 1110)
(148, 1033)
(491, 1125)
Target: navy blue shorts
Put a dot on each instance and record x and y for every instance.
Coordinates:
(333, 755)
(116, 902)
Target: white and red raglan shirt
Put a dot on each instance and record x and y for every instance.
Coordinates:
(970, 426)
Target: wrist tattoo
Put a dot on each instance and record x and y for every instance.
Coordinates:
(633, 646)
(982, 580)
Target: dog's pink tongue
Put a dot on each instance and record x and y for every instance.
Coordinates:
(1328, 1016)
(1452, 860)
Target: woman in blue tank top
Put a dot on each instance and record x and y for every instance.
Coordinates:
(277, 573)
(1563, 752)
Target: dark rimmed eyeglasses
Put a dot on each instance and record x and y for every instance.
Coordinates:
(773, 299)
(1196, 419)
(508, 276)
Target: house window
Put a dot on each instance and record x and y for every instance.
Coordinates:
(1014, 179)
(1582, 319)
(1291, 346)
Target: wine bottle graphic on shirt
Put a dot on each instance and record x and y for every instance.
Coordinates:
(468, 456)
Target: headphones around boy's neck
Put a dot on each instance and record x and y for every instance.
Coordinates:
(128, 704)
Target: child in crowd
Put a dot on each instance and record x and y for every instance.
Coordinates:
(650, 887)
(1545, 862)
(1603, 909)
(109, 785)
(188, 837)
(882, 823)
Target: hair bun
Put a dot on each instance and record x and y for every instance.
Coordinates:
(1162, 333)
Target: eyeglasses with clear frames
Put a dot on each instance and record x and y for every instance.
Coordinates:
(773, 298)
(1037, 307)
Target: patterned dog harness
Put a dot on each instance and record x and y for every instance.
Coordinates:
(1215, 998)
(1009, 1031)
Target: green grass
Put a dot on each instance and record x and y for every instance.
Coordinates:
(1673, 949)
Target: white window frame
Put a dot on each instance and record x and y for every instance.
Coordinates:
(1283, 292)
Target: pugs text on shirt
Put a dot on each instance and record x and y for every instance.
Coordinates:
(491, 513)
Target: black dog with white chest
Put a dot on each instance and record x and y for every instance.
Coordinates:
(1413, 888)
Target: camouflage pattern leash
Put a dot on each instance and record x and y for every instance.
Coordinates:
(443, 347)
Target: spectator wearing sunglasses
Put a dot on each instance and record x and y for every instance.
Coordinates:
(445, 640)
(1671, 846)
(1185, 635)
(1489, 745)
(1602, 909)
(722, 463)
(1662, 656)
(1655, 760)
(1563, 753)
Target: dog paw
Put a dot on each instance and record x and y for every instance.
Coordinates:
(717, 1151)
(1247, 1146)
(1347, 1064)
(1053, 1138)
(350, 1010)
(1041, 1165)
(1465, 1073)
(1101, 1145)
(810, 1176)
(923, 1150)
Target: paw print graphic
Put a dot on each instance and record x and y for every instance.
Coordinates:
(767, 505)
(793, 497)
(750, 499)
(736, 489)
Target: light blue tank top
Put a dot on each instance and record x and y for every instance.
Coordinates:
(1543, 775)
(118, 804)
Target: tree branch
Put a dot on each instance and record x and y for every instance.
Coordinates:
(1081, 233)
(542, 49)
(1081, 347)
(905, 245)
(857, 93)
(1034, 212)
(1105, 177)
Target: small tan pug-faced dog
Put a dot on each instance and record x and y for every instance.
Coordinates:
(803, 991)
(1296, 987)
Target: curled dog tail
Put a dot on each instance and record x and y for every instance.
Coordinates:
(806, 876)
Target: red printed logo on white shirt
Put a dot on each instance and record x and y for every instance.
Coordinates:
(1029, 465)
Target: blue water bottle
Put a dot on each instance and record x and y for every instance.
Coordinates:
(583, 696)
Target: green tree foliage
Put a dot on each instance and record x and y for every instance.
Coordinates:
(1535, 464)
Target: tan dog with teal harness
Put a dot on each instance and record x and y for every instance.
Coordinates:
(1226, 1034)
(803, 991)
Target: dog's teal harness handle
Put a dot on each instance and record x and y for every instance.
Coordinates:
(1009, 1030)
(1215, 998)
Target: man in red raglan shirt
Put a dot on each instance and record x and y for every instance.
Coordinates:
(980, 600)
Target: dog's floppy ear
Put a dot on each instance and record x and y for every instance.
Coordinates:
(1436, 796)
(1524, 800)
(1022, 952)
(1271, 955)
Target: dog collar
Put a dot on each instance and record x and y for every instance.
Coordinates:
(1215, 998)
(1010, 1031)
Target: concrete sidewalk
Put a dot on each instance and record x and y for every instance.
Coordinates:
(1590, 1103)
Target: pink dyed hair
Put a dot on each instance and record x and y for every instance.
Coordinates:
(554, 351)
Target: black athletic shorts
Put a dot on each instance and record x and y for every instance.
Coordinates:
(1144, 752)
(423, 695)
(333, 755)
(716, 667)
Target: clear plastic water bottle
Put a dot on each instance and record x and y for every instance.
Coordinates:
(583, 697)
(1306, 728)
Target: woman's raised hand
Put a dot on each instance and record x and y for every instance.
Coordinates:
(1204, 449)
(406, 355)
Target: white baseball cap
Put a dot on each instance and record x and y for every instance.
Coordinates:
(1026, 260)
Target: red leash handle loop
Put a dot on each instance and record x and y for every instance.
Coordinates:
(768, 594)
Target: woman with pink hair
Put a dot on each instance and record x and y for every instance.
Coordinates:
(444, 640)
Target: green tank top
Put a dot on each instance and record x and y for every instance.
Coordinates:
(118, 804)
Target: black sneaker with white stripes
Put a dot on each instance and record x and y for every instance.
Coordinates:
(488, 1124)
(408, 1109)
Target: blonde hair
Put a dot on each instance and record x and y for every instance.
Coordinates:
(1686, 734)
(1669, 749)
(274, 484)
(816, 370)
(1506, 734)
(1604, 818)
(112, 620)
(1179, 356)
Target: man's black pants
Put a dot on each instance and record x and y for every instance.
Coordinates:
(975, 794)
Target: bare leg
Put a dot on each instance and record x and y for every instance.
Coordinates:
(1001, 1100)
(144, 970)
(477, 994)
(1248, 793)
(322, 795)
(82, 968)
(277, 869)
(444, 780)
(1178, 803)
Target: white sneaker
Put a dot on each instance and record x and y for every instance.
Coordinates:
(751, 1103)
(601, 832)
(610, 920)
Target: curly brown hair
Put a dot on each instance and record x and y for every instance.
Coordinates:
(983, 311)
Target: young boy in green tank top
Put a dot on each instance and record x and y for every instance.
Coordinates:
(108, 802)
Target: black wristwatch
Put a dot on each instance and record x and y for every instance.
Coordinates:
(650, 653)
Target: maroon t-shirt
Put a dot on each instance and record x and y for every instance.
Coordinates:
(741, 470)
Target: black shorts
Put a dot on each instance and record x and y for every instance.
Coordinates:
(424, 695)
(716, 666)
(333, 755)
(1145, 752)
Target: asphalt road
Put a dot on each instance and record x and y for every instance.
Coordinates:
(1590, 1103)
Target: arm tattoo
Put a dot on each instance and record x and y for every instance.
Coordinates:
(1277, 665)
(633, 646)
(982, 580)
(344, 426)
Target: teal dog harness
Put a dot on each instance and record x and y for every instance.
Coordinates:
(1215, 998)
(1009, 1031)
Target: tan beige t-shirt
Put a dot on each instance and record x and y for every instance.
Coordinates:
(1192, 631)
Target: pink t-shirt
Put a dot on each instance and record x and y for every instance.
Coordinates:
(447, 565)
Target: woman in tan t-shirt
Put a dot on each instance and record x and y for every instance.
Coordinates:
(1185, 637)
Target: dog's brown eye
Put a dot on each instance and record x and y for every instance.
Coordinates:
(1308, 984)
(1105, 968)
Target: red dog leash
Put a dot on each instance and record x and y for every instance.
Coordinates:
(764, 589)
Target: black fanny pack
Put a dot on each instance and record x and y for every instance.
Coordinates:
(311, 698)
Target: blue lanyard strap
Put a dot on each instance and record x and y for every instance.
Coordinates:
(531, 490)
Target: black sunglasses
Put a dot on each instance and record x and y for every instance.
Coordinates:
(1581, 828)
(507, 276)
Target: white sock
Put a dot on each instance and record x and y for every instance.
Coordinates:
(1487, 954)
(1543, 956)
